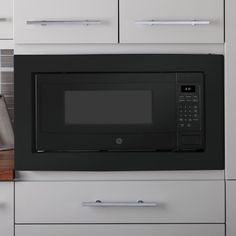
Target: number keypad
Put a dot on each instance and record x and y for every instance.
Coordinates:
(188, 112)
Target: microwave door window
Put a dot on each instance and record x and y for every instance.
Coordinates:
(113, 107)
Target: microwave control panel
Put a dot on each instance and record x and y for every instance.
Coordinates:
(189, 108)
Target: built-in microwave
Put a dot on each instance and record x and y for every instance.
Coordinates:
(119, 112)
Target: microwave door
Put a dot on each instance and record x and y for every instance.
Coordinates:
(106, 112)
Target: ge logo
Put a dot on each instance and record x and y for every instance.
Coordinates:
(119, 141)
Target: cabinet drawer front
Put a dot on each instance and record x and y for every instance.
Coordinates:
(163, 202)
(6, 19)
(6, 209)
(168, 21)
(120, 230)
(66, 21)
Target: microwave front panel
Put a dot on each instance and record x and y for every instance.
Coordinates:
(111, 132)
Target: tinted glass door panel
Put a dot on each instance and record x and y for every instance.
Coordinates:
(114, 107)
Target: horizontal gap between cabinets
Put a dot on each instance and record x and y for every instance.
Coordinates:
(220, 223)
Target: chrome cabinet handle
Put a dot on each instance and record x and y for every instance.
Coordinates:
(63, 22)
(3, 19)
(139, 203)
(173, 22)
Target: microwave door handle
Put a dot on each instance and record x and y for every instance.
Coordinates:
(99, 203)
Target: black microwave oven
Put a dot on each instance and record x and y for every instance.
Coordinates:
(119, 112)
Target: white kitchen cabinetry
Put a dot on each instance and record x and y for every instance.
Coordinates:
(6, 24)
(96, 21)
(169, 21)
(6, 209)
(230, 116)
(231, 208)
(230, 88)
(120, 230)
(161, 202)
(65, 22)
(6, 19)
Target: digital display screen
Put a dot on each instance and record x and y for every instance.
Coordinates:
(101, 107)
(188, 88)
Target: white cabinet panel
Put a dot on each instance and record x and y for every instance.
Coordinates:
(171, 21)
(6, 19)
(6, 209)
(120, 230)
(231, 208)
(230, 88)
(66, 21)
(177, 202)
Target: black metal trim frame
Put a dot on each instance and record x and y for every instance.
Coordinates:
(26, 66)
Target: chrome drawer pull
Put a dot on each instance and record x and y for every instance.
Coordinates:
(173, 22)
(139, 203)
(64, 22)
(3, 19)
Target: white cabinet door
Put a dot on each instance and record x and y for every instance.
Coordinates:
(65, 21)
(120, 230)
(230, 88)
(231, 208)
(6, 19)
(171, 21)
(6, 209)
(79, 202)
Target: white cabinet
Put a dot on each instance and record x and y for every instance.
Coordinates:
(140, 21)
(230, 87)
(171, 21)
(231, 208)
(6, 19)
(66, 21)
(159, 202)
(6, 209)
(120, 230)
(6, 24)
